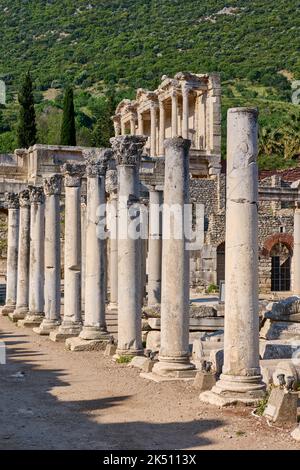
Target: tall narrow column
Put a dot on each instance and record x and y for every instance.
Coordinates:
(112, 189)
(94, 331)
(185, 111)
(241, 380)
(174, 114)
(83, 214)
(12, 203)
(128, 151)
(162, 128)
(132, 125)
(140, 124)
(174, 351)
(52, 189)
(35, 314)
(23, 258)
(71, 324)
(296, 255)
(153, 116)
(144, 227)
(155, 247)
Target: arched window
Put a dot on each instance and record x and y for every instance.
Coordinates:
(281, 268)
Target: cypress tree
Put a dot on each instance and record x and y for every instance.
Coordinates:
(26, 131)
(68, 129)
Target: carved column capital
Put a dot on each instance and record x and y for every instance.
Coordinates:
(97, 161)
(128, 149)
(73, 174)
(24, 198)
(12, 200)
(36, 194)
(52, 185)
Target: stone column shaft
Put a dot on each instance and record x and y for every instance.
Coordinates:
(174, 350)
(23, 258)
(12, 201)
(114, 256)
(153, 112)
(128, 152)
(174, 115)
(296, 255)
(83, 214)
(185, 112)
(155, 248)
(140, 124)
(132, 126)
(162, 128)
(241, 379)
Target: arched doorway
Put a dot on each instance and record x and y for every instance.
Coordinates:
(221, 263)
(280, 267)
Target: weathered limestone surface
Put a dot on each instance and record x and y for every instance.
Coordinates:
(128, 150)
(285, 310)
(52, 189)
(112, 189)
(23, 259)
(282, 407)
(12, 202)
(155, 248)
(174, 350)
(72, 323)
(36, 264)
(283, 330)
(241, 379)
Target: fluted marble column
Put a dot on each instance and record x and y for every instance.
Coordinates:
(35, 314)
(12, 203)
(241, 380)
(185, 111)
(23, 258)
(153, 116)
(83, 213)
(128, 150)
(112, 189)
(72, 322)
(174, 114)
(296, 254)
(174, 351)
(155, 247)
(52, 189)
(162, 127)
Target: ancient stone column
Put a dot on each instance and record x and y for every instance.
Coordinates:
(153, 117)
(174, 351)
(23, 258)
(12, 203)
(112, 189)
(174, 114)
(94, 330)
(83, 214)
(35, 314)
(132, 125)
(128, 151)
(155, 247)
(185, 111)
(162, 127)
(72, 322)
(144, 227)
(52, 189)
(296, 255)
(140, 123)
(241, 380)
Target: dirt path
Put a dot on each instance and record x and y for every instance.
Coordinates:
(84, 401)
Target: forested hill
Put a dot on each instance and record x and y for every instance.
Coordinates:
(119, 45)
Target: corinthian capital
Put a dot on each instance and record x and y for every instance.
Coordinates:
(128, 149)
(36, 194)
(52, 185)
(24, 198)
(73, 174)
(96, 161)
(12, 200)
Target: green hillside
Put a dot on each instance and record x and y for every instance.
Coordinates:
(107, 49)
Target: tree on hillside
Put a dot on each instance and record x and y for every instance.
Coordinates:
(26, 131)
(104, 128)
(68, 128)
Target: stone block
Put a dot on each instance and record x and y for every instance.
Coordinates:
(59, 337)
(282, 310)
(154, 323)
(110, 350)
(204, 381)
(78, 344)
(216, 358)
(282, 407)
(143, 363)
(280, 330)
(153, 341)
(278, 349)
(296, 433)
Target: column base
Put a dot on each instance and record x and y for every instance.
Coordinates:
(31, 320)
(79, 344)
(7, 309)
(92, 333)
(65, 331)
(18, 314)
(232, 390)
(175, 367)
(46, 327)
(128, 352)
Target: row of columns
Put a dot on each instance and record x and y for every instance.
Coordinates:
(241, 379)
